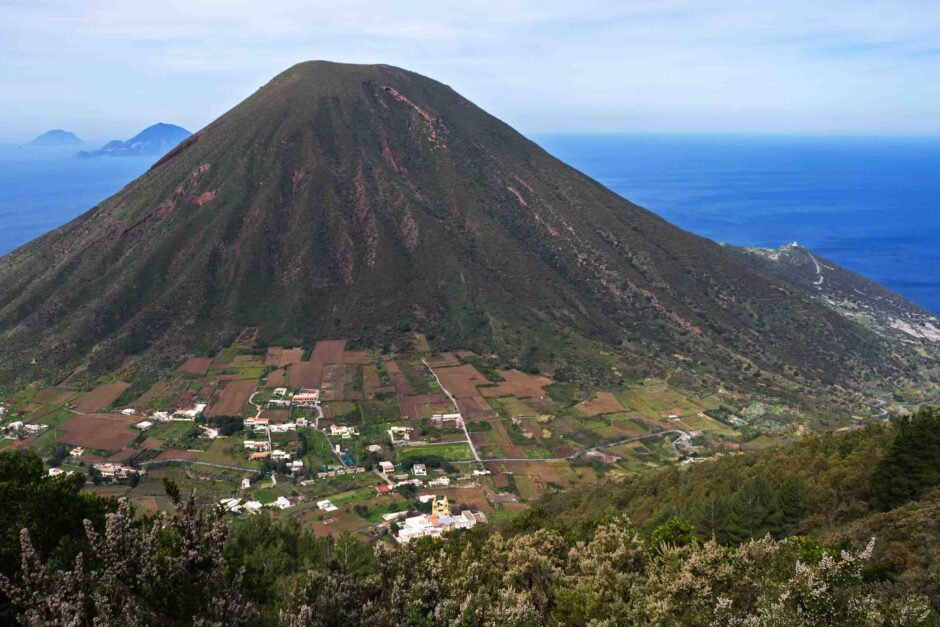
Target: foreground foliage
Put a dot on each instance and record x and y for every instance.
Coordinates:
(173, 572)
(574, 560)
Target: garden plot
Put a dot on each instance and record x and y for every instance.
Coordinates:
(282, 357)
(602, 403)
(196, 365)
(100, 397)
(233, 398)
(104, 432)
(518, 384)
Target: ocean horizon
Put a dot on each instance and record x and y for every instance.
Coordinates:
(870, 204)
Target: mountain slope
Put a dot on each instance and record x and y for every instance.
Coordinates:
(365, 201)
(154, 140)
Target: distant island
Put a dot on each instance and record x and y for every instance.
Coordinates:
(153, 141)
(56, 137)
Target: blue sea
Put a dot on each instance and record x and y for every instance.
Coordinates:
(869, 204)
(42, 188)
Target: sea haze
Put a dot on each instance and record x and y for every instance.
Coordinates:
(42, 188)
(870, 204)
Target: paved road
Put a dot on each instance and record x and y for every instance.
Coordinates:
(194, 462)
(580, 452)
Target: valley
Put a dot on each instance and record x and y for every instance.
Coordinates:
(305, 433)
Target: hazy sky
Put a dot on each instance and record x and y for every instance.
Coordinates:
(106, 68)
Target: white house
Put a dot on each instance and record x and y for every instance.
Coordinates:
(386, 468)
(420, 470)
(257, 445)
(296, 466)
(143, 425)
(189, 414)
(281, 503)
(306, 398)
(130, 411)
(246, 483)
(209, 432)
(280, 391)
(231, 505)
(393, 516)
(256, 423)
(326, 506)
(439, 419)
(115, 471)
(399, 435)
(342, 431)
(282, 427)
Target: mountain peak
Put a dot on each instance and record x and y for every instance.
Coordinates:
(155, 140)
(366, 202)
(56, 137)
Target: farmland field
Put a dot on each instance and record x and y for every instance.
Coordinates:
(196, 365)
(518, 384)
(451, 452)
(309, 374)
(602, 403)
(100, 397)
(52, 396)
(461, 381)
(233, 398)
(282, 357)
(100, 431)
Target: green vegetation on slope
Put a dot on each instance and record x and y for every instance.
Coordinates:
(368, 202)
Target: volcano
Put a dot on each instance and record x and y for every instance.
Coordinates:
(369, 202)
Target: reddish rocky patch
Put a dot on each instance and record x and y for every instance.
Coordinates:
(204, 197)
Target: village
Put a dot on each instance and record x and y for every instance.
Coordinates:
(389, 446)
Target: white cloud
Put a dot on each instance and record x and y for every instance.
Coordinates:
(824, 65)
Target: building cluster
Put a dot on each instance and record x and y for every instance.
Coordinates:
(437, 523)
(18, 429)
(115, 472)
(336, 471)
(439, 419)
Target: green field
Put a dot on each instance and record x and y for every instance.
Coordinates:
(450, 452)
(510, 407)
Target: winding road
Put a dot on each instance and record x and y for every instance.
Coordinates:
(473, 449)
(819, 275)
